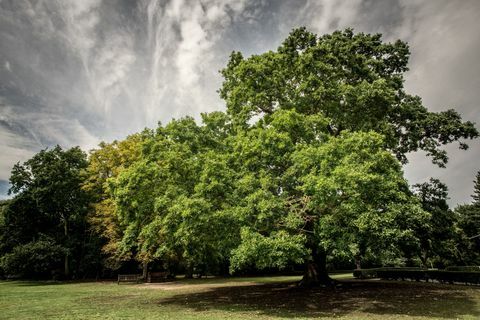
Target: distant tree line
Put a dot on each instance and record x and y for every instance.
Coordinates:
(303, 169)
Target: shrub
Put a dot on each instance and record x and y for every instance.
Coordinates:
(383, 272)
(466, 277)
(463, 268)
(33, 260)
(416, 274)
(365, 273)
(419, 274)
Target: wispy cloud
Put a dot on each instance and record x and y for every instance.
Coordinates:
(77, 72)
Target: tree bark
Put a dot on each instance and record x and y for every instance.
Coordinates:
(189, 271)
(144, 270)
(315, 274)
(358, 262)
(66, 262)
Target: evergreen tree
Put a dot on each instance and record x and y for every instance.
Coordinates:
(476, 189)
(469, 226)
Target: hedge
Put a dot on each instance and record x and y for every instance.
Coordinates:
(37, 259)
(463, 268)
(373, 272)
(419, 274)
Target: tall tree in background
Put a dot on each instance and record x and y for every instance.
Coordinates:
(171, 202)
(105, 164)
(438, 237)
(469, 222)
(48, 194)
(476, 190)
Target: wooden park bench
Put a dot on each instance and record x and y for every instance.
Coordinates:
(129, 278)
(157, 276)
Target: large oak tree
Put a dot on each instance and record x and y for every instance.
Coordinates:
(342, 187)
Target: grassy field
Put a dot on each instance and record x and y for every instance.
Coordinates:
(237, 298)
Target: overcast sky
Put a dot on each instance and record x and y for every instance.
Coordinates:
(79, 72)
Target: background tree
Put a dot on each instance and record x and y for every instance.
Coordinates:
(105, 163)
(49, 202)
(171, 202)
(469, 224)
(476, 190)
(438, 236)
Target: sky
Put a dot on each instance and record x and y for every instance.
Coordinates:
(80, 72)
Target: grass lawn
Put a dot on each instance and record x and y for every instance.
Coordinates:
(237, 298)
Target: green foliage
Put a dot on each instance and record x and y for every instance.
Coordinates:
(172, 203)
(34, 259)
(106, 163)
(476, 189)
(315, 124)
(344, 194)
(463, 268)
(438, 235)
(468, 216)
(21, 223)
(278, 250)
(468, 223)
(49, 201)
(466, 277)
(355, 80)
(418, 274)
(412, 273)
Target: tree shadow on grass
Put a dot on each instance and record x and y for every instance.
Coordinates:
(34, 283)
(39, 283)
(376, 298)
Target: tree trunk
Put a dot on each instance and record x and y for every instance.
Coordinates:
(424, 258)
(144, 270)
(189, 271)
(358, 262)
(66, 262)
(316, 274)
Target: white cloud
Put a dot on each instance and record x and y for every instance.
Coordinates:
(182, 37)
(320, 16)
(13, 150)
(333, 15)
(86, 73)
(22, 135)
(81, 19)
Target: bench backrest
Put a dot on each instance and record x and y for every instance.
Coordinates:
(158, 274)
(129, 277)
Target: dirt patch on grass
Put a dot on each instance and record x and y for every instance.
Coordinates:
(110, 299)
(375, 299)
(194, 287)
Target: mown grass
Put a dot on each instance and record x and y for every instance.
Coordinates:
(237, 298)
